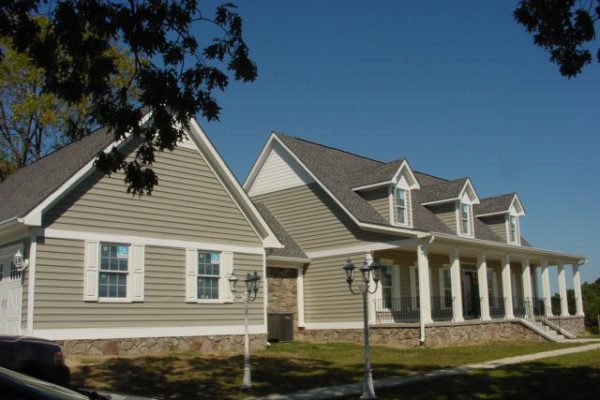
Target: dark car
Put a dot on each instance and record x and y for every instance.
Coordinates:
(17, 386)
(37, 357)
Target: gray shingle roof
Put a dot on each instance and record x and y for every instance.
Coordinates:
(291, 248)
(340, 171)
(442, 190)
(494, 204)
(29, 186)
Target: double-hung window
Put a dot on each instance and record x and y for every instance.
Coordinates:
(113, 271)
(465, 219)
(209, 274)
(401, 211)
(512, 229)
(386, 286)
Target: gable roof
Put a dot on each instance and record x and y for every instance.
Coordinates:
(35, 187)
(340, 171)
(29, 186)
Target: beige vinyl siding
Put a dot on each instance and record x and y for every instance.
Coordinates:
(379, 199)
(314, 220)
(446, 213)
(326, 294)
(497, 224)
(189, 203)
(59, 292)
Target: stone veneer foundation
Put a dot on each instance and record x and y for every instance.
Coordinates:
(156, 345)
(438, 334)
(573, 324)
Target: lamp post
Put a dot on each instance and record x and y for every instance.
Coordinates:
(248, 296)
(368, 272)
(20, 265)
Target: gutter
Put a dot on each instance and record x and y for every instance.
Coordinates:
(11, 222)
(301, 260)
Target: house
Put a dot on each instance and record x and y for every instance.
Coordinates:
(113, 273)
(455, 267)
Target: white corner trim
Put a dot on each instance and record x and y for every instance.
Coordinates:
(265, 287)
(333, 325)
(148, 241)
(300, 295)
(31, 282)
(270, 240)
(157, 331)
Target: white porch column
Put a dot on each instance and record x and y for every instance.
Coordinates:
(457, 308)
(577, 287)
(507, 288)
(300, 295)
(562, 290)
(424, 287)
(526, 283)
(483, 286)
(546, 289)
(372, 297)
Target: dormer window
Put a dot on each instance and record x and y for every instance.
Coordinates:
(401, 211)
(465, 219)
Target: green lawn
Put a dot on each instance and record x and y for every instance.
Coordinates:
(572, 377)
(279, 369)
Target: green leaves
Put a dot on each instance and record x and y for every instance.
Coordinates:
(171, 76)
(563, 28)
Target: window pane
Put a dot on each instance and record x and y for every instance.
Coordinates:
(208, 288)
(112, 279)
(208, 263)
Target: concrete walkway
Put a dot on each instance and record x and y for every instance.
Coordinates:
(356, 388)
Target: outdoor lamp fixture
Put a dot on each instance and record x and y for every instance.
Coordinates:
(368, 273)
(249, 295)
(20, 263)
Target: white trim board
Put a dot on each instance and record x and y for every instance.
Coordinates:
(148, 241)
(333, 325)
(156, 331)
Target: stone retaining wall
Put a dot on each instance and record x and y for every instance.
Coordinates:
(435, 335)
(573, 324)
(156, 345)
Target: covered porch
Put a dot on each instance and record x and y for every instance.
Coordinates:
(441, 281)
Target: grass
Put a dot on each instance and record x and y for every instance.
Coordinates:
(281, 368)
(573, 377)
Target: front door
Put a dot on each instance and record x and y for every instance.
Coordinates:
(470, 294)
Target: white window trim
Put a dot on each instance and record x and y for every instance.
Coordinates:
(128, 298)
(225, 269)
(135, 273)
(442, 287)
(402, 184)
(470, 221)
(517, 228)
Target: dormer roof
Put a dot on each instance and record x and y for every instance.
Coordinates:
(386, 174)
(449, 191)
(501, 204)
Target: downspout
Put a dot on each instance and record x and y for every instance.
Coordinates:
(421, 322)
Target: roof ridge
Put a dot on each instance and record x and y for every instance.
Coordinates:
(328, 147)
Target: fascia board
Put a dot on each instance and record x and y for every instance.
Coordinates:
(510, 247)
(258, 163)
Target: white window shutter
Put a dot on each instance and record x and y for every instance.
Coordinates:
(137, 272)
(90, 274)
(226, 269)
(191, 276)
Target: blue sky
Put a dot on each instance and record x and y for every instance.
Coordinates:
(458, 88)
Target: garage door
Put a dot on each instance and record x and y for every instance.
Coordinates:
(10, 306)
(11, 296)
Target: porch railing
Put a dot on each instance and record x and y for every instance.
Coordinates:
(397, 310)
(441, 308)
(519, 307)
(497, 307)
(536, 314)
